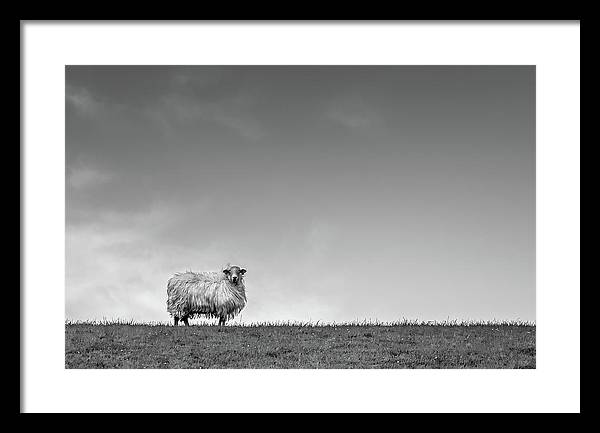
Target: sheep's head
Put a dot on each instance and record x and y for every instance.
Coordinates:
(234, 273)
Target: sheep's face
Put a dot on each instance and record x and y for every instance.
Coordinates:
(234, 274)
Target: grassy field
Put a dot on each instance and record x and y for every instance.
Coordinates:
(401, 345)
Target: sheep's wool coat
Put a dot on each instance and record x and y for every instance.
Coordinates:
(209, 293)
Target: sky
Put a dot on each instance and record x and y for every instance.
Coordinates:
(347, 192)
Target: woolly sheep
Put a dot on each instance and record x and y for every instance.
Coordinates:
(213, 294)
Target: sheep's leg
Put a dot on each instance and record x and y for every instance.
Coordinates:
(185, 320)
(176, 320)
(221, 321)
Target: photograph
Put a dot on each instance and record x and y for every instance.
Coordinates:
(300, 216)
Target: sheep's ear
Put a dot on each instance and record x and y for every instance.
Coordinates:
(242, 271)
(226, 271)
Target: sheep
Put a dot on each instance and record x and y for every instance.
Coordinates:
(214, 294)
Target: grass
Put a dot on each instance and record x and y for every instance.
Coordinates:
(404, 344)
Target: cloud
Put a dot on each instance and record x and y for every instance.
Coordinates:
(353, 113)
(118, 264)
(82, 100)
(207, 78)
(175, 110)
(188, 101)
(244, 126)
(83, 177)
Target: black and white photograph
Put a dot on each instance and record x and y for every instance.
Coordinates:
(224, 216)
(300, 216)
